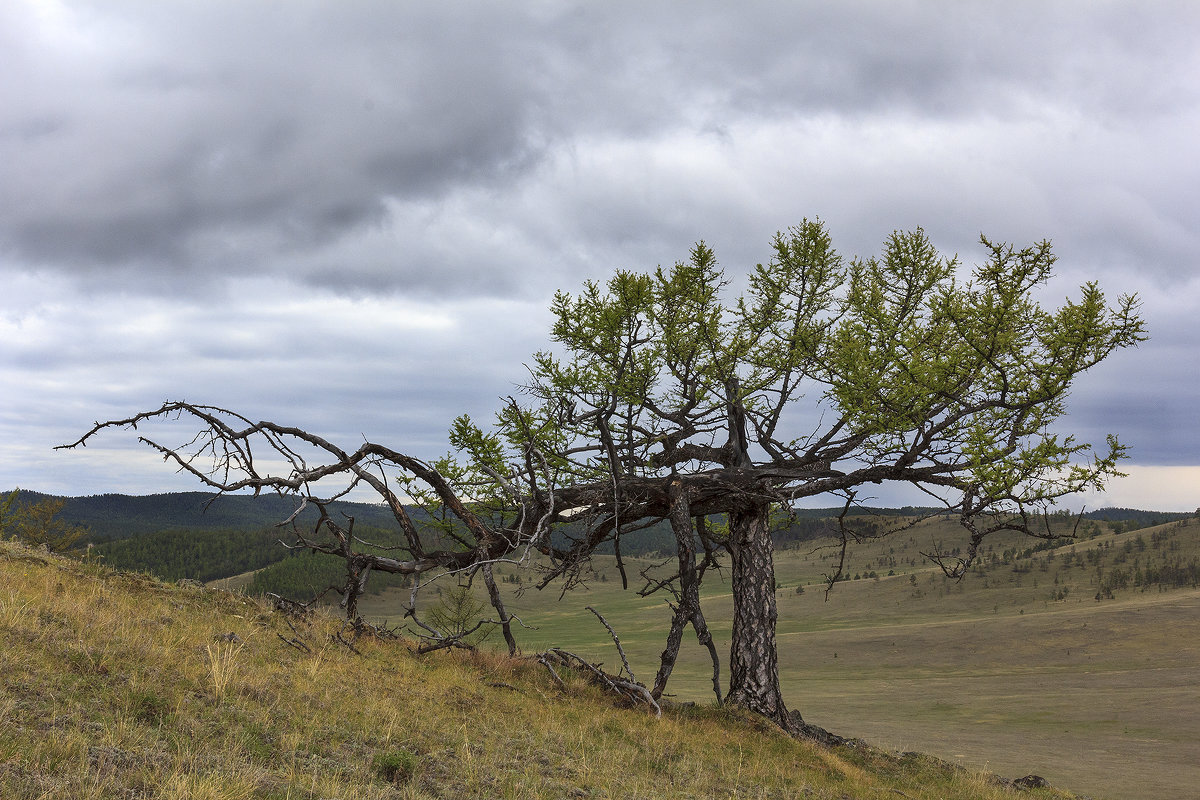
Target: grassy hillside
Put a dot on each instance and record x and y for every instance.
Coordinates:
(118, 686)
(1017, 668)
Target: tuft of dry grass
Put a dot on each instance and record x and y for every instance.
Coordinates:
(119, 686)
(222, 663)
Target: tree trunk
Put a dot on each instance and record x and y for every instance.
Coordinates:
(498, 604)
(753, 657)
(688, 596)
(666, 662)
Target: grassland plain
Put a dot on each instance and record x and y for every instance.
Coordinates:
(1018, 668)
(115, 685)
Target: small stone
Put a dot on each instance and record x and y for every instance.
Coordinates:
(1031, 782)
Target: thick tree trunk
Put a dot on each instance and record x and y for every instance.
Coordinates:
(753, 657)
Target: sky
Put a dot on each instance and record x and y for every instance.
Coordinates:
(351, 216)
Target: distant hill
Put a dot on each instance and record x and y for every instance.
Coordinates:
(205, 536)
(1143, 519)
(120, 516)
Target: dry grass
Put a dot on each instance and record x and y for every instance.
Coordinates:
(222, 663)
(117, 686)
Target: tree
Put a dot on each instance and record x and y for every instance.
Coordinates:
(665, 401)
(456, 618)
(38, 523)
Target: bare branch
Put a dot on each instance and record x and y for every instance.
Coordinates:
(616, 641)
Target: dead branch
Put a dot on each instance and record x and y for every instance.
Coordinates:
(631, 691)
(616, 641)
(542, 659)
(289, 608)
(439, 641)
(295, 642)
(498, 604)
(337, 637)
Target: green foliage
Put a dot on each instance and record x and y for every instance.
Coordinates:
(202, 555)
(300, 577)
(397, 766)
(919, 374)
(457, 615)
(304, 575)
(6, 508)
(1134, 518)
(38, 523)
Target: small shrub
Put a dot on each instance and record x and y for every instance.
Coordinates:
(397, 766)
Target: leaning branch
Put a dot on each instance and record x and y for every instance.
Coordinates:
(616, 641)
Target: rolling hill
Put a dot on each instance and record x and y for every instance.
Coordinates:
(1073, 658)
(115, 685)
(1078, 661)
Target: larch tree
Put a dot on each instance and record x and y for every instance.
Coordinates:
(664, 400)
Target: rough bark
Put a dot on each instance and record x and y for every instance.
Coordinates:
(753, 657)
(670, 653)
(688, 598)
(498, 604)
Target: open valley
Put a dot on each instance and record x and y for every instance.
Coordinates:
(1102, 696)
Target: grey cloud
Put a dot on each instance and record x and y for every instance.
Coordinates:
(271, 140)
(220, 137)
(394, 372)
(317, 215)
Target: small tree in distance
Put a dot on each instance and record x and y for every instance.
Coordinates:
(667, 401)
(38, 523)
(456, 617)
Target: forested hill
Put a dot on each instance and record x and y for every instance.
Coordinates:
(1142, 519)
(120, 516)
(206, 537)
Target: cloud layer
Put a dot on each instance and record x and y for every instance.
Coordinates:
(352, 215)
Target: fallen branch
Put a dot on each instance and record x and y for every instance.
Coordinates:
(337, 637)
(630, 690)
(545, 663)
(294, 642)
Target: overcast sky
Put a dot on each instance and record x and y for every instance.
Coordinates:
(351, 216)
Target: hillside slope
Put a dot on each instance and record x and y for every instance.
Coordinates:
(1080, 662)
(118, 686)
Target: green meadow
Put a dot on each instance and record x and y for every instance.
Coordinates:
(1018, 668)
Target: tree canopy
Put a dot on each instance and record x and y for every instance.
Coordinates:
(37, 522)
